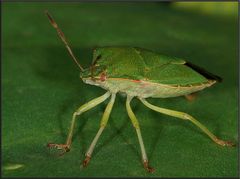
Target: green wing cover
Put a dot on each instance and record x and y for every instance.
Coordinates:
(141, 64)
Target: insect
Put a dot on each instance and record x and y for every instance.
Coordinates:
(138, 73)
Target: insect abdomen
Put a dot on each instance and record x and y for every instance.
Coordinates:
(146, 89)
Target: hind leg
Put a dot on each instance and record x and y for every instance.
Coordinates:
(186, 116)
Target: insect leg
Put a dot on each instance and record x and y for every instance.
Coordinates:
(186, 116)
(66, 147)
(191, 97)
(137, 127)
(103, 123)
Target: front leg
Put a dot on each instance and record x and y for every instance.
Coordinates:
(87, 106)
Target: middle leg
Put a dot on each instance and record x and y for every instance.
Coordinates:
(137, 127)
(104, 121)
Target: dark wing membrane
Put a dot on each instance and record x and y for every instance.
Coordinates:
(203, 72)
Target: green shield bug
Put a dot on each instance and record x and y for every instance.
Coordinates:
(138, 73)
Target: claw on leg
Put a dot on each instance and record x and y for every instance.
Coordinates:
(86, 161)
(63, 147)
(224, 143)
(147, 167)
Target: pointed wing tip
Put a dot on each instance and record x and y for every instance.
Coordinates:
(204, 72)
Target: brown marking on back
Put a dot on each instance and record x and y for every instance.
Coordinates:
(208, 83)
(136, 81)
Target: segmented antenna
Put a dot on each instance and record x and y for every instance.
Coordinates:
(61, 35)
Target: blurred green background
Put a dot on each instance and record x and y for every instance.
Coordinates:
(41, 89)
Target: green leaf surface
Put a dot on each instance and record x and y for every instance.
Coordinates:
(41, 90)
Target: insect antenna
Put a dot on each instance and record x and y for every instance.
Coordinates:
(61, 35)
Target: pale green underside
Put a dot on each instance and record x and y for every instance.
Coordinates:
(141, 64)
(145, 89)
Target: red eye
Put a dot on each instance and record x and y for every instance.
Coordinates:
(103, 76)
